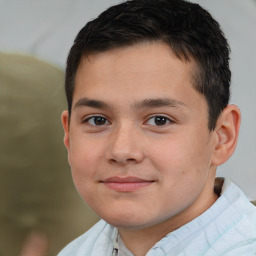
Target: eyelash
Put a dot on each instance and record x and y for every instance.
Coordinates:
(87, 120)
(161, 118)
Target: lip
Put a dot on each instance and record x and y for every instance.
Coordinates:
(126, 184)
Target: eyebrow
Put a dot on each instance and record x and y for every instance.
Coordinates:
(147, 103)
(85, 102)
(155, 103)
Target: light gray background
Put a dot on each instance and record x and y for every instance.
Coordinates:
(46, 29)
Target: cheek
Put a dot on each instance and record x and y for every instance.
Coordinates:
(180, 157)
(83, 164)
(84, 161)
(169, 154)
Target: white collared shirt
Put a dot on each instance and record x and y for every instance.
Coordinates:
(227, 228)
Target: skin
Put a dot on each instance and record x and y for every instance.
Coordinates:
(151, 135)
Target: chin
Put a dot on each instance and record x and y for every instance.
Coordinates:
(129, 222)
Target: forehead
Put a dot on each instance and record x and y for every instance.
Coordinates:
(141, 58)
(145, 70)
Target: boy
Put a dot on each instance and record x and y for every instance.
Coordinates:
(147, 124)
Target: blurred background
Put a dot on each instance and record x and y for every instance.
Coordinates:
(36, 189)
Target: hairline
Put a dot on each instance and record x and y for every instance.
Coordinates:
(195, 70)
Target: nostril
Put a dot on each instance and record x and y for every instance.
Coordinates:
(131, 160)
(113, 161)
(122, 161)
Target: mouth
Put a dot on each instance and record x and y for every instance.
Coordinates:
(126, 184)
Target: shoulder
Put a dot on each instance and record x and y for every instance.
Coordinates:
(239, 205)
(100, 233)
(227, 228)
(236, 223)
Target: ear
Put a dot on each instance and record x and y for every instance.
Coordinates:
(65, 124)
(226, 131)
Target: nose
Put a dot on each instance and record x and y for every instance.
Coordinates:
(125, 146)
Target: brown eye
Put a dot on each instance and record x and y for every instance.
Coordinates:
(158, 121)
(97, 120)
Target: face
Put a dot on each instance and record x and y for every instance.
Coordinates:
(138, 140)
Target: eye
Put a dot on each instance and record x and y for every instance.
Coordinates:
(96, 120)
(159, 121)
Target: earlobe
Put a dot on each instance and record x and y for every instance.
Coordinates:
(65, 124)
(227, 130)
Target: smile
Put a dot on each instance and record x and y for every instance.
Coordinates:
(126, 184)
